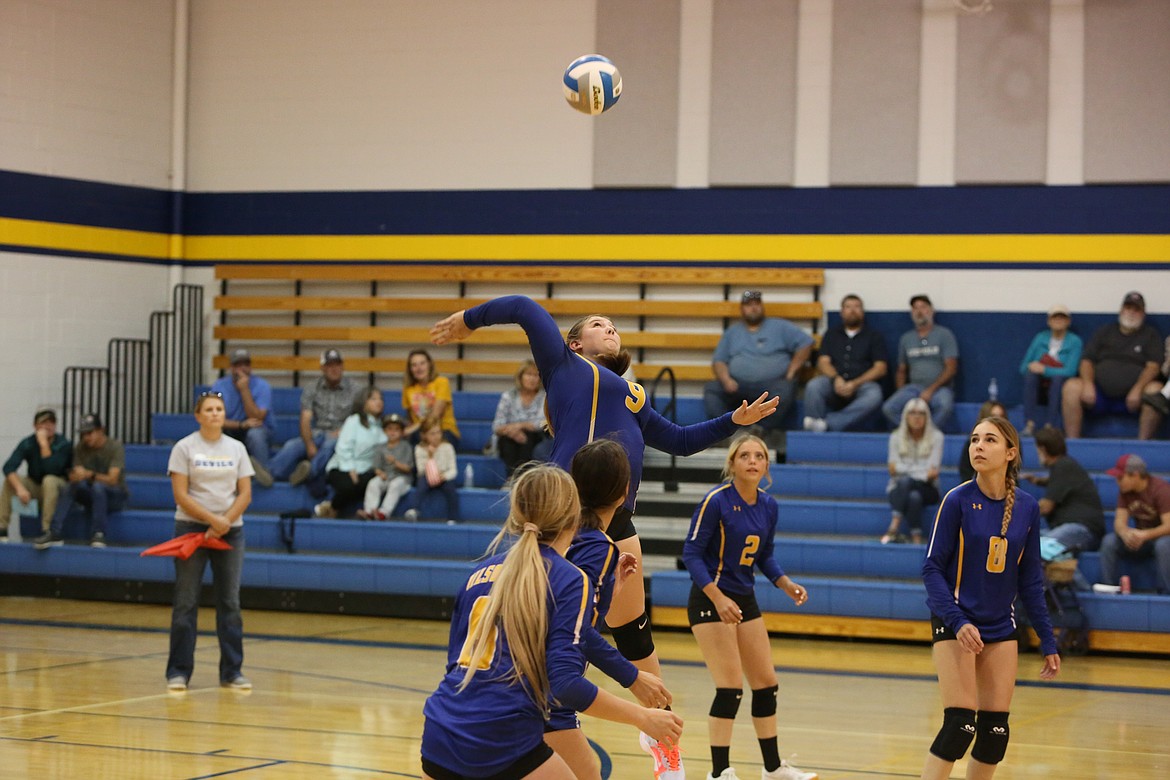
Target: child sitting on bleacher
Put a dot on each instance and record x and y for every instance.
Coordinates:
(393, 466)
(435, 460)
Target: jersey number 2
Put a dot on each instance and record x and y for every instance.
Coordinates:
(997, 548)
(637, 397)
(750, 545)
(474, 618)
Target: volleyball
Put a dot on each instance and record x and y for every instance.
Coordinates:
(592, 84)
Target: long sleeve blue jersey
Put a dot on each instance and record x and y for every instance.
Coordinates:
(587, 401)
(729, 537)
(493, 722)
(595, 554)
(972, 574)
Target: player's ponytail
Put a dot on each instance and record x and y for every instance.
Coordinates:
(543, 505)
(1012, 475)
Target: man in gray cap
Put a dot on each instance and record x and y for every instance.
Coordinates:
(1146, 500)
(247, 401)
(324, 406)
(1119, 364)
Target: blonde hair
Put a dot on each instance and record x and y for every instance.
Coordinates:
(526, 365)
(543, 505)
(1012, 468)
(907, 446)
(733, 451)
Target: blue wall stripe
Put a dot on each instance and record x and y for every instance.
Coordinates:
(77, 202)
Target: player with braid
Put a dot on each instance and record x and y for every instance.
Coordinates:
(984, 550)
(515, 630)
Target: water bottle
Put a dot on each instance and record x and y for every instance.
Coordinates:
(993, 390)
(468, 476)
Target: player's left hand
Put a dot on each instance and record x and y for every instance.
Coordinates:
(627, 566)
(749, 414)
(450, 329)
(1051, 667)
(795, 592)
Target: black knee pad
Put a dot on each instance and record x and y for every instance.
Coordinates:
(634, 640)
(726, 703)
(764, 701)
(953, 739)
(991, 737)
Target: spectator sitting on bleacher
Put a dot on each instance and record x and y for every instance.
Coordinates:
(247, 402)
(48, 455)
(852, 358)
(756, 356)
(1053, 356)
(1120, 364)
(426, 397)
(1071, 503)
(1146, 500)
(96, 481)
(324, 406)
(928, 359)
(435, 461)
(915, 454)
(393, 470)
(351, 468)
(986, 409)
(519, 425)
(1161, 399)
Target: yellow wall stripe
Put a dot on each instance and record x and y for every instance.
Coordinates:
(65, 238)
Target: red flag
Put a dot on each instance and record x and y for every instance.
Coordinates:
(183, 547)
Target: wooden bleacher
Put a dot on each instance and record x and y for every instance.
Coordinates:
(713, 298)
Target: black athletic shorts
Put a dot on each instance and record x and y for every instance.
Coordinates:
(622, 525)
(521, 767)
(701, 609)
(941, 632)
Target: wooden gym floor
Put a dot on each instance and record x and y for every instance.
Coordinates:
(82, 695)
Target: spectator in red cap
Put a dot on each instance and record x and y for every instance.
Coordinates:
(1145, 499)
(1120, 364)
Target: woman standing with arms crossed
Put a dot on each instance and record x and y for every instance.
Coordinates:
(514, 647)
(211, 476)
(588, 400)
(731, 534)
(985, 548)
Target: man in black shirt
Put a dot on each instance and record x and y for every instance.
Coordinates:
(1120, 364)
(1071, 503)
(852, 359)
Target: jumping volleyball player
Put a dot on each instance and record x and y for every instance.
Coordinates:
(732, 534)
(984, 549)
(601, 472)
(515, 629)
(588, 399)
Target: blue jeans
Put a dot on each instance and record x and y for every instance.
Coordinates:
(942, 405)
(293, 452)
(422, 488)
(257, 441)
(717, 402)
(100, 499)
(226, 566)
(1033, 384)
(1113, 549)
(819, 398)
(908, 497)
(1074, 536)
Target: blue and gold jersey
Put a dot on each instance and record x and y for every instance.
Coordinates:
(729, 538)
(587, 401)
(492, 722)
(595, 554)
(973, 574)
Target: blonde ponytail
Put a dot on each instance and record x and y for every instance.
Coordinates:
(1009, 503)
(543, 505)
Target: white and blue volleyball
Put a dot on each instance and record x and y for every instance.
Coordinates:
(592, 84)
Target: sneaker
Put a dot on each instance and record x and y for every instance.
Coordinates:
(237, 683)
(1158, 401)
(667, 761)
(325, 510)
(1101, 587)
(411, 515)
(300, 474)
(379, 514)
(364, 515)
(48, 540)
(815, 424)
(726, 774)
(787, 772)
(262, 477)
(97, 540)
(177, 684)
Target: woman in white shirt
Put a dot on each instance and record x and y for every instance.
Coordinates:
(211, 477)
(915, 454)
(351, 468)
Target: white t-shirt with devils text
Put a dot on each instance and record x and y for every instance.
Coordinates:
(212, 469)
